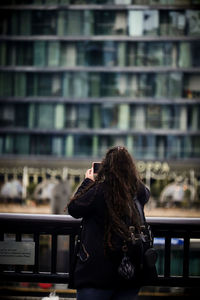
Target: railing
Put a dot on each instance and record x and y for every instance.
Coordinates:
(186, 229)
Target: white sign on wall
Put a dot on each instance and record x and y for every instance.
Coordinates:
(17, 253)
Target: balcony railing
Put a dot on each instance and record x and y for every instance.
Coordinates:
(18, 225)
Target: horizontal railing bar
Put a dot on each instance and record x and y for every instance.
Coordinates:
(100, 131)
(130, 100)
(99, 69)
(79, 38)
(67, 219)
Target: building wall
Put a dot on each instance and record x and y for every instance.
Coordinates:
(77, 77)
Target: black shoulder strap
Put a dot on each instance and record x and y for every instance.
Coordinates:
(140, 210)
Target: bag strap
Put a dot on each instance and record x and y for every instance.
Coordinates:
(140, 210)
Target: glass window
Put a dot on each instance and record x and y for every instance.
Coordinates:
(137, 117)
(44, 22)
(175, 147)
(83, 145)
(189, 54)
(109, 84)
(23, 52)
(161, 147)
(153, 119)
(143, 22)
(4, 15)
(96, 116)
(57, 146)
(59, 116)
(25, 22)
(71, 54)
(6, 84)
(104, 21)
(7, 115)
(75, 85)
(84, 115)
(39, 53)
(138, 146)
(70, 22)
(150, 147)
(21, 144)
(185, 55)
(70, 116)
(53, 54)
(1, 144)
(193, 17)
(45, 116)
(4, 57)
(195, 50)
(43, 84)
(193, 117)
(123, 116)
(94, 85)
(159, 54)
(187, 146)
(69, 145)
(9, 144)
(195, 146)
(109, 115)
(175, 85)
(177, 23)
(19, 84)
(97, 53)
(40, 145)
(146, 85)
(21, 115)
(191, 86)
(172, 22)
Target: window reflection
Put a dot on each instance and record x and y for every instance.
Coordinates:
(191, 86)
(141, 146)
(101, 22)
(40, 145)
(107, 53)
(45, 116)
(84, 85)
(143, 22)
(106, 115)
(83, 145)
(42, 22)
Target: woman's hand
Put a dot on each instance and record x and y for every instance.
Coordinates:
(89, 174)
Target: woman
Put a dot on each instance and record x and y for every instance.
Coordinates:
(103, 202)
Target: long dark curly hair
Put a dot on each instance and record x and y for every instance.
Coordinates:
(121, 180)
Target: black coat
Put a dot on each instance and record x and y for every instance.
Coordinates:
(96, 269)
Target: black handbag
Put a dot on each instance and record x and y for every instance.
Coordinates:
(139, 256)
